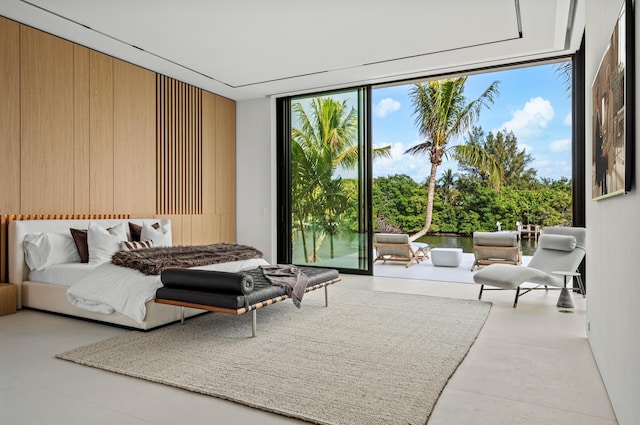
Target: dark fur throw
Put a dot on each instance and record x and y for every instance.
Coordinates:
(154, 260)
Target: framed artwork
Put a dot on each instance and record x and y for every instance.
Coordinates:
(613, 111)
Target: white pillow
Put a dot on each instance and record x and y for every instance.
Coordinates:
(104, 243)
(43, 249)
(557, 242)
(160, 236)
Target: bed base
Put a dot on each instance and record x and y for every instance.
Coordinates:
(250, 308)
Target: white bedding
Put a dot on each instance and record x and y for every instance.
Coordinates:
(110, 288)
(62, 274)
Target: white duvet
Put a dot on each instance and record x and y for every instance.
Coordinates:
(110, 288)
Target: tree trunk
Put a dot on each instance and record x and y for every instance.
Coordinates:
(304, 241)
(429, 213)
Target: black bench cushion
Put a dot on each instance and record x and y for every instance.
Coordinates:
(262, 290)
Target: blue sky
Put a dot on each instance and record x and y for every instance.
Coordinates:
(533, 103)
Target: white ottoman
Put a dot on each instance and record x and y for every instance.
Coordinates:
(446, 257)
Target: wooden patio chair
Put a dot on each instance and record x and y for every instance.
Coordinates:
(398, 247)
(495, 247)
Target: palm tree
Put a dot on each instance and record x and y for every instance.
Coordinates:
(447, 183)
(326, 138)
(442, 114)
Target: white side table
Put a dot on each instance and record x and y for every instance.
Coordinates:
(565, 300)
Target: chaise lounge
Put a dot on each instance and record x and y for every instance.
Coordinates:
(559, 254)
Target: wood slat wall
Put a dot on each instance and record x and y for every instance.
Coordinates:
(179, 147)
(85, 133)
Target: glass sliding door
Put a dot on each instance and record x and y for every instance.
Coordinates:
(324, 181)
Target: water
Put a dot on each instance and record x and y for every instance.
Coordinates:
(527, 246)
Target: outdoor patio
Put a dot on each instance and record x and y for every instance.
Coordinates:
(425, 270)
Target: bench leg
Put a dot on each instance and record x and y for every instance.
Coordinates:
(254, 322)
(182, 315)
(326, 296)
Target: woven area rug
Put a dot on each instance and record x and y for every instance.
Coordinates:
(369, 358)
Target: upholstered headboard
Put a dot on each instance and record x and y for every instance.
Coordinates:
(18, 229)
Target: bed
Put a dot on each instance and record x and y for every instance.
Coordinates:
(46, 289)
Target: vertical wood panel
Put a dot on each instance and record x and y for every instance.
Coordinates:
(208, 170)
(73, 114)
(228, 228)
(101, 128)
(225, 156)
(179, 144)
(134, 139)
(81, 135)
(206, 229)
(9, 116)
(187, 230)
(46, 122)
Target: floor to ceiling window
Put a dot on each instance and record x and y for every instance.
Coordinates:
(324, 181)
(345, 172)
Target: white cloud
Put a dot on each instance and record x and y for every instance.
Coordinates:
(562, 145)
(385, 107)
(531, 119)
(551, 167)
(527, 148)
(416, 166)
(567, 120)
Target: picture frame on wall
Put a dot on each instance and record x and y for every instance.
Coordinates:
(613, 128)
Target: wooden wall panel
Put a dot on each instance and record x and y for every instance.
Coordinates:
(225, 167)
(9, 116)
(208, 153)
(46, 122)
(81, 131)
(101, 133)
(206, 229)
(134, 97)
(228, 228)
(179, 147)
(187, 229)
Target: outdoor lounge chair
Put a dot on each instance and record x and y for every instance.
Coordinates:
(398, 247)
(560, 249)
(495, 247)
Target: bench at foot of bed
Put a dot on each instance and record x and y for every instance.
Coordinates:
(233, 293)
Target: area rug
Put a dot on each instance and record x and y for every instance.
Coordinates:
(371, 357)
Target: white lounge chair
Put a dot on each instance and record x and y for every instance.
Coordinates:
(560, 249)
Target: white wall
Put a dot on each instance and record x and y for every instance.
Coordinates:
(613, 225)
(256, 175)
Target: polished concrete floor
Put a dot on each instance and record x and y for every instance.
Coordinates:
(529, 365)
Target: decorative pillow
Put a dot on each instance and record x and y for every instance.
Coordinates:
(42, 250)
(557, 242)
(160, 236)
(80, 238)
(133, 245)
(136, 230)
(104, 243)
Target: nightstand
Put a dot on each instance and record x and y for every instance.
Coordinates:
(8, 298)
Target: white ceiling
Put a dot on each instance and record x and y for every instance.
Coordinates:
(245, 49)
